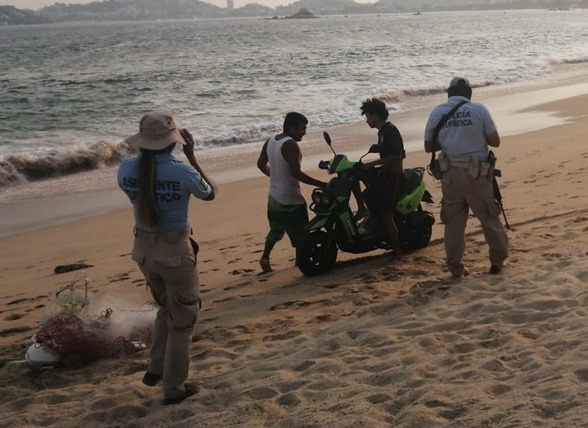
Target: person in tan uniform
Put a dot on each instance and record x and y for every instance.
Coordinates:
(468, 167)
(159, 187)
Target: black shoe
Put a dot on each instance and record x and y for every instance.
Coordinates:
(151, 379)
(190, 390)
(494, 270)
(465, 272)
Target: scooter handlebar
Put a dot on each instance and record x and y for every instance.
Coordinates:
(324, 164)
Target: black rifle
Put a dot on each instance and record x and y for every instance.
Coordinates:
(498, 196)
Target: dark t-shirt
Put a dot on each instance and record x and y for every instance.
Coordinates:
(390, 140)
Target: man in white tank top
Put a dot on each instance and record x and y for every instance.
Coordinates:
(280, 159)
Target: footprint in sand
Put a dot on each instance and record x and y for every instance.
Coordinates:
(262, 393)
(231, 247)
(13, 316)
(286, 387)
(500, 389)
(241, 271)
(17, 301)
(282, 305)
(451, 411)
(239, 285)
(582, 375)
(304, 366)
(215, 354)
(120, 277)
(283, 336)
(226, 299)
(333, 285)
(378, 399)
(288, 400)
(14, 330)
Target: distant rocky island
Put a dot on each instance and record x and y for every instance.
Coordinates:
(142, 10)
(302, 14)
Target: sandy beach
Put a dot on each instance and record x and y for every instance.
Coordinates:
(370, 344)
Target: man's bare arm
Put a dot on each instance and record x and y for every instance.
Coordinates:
(293, 156)
(263, 161)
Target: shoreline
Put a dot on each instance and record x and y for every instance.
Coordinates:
(516, 108)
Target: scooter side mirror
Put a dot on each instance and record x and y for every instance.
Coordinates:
(327, 138)
(375, 148)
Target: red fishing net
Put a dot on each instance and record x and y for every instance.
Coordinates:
(70, 337)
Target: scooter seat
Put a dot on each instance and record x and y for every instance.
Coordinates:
(412, 177)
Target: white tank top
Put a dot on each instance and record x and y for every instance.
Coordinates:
(284, 188)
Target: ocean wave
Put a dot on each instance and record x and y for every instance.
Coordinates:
(19, 169)
(23, 167)
(575, 60)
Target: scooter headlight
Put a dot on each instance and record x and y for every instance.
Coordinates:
(321, 199)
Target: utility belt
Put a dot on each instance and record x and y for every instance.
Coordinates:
(171, 236)
(475, 167)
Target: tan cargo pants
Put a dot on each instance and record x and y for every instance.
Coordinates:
(168, 262)
(460, 193)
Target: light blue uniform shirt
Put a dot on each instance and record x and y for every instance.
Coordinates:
(175, 182)
(463, 135)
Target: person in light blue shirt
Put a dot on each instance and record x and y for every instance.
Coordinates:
(465, 140)
(159, 188)
(174, 185)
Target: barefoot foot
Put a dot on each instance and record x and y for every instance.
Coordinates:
(395, 256)
(265, 265)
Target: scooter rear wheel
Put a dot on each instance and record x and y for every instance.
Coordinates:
(316, 254)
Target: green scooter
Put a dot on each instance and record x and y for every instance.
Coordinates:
(334, 227)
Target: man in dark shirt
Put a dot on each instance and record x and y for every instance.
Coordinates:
(391, 177)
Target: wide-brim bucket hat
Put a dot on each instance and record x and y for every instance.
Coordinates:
(157, 130)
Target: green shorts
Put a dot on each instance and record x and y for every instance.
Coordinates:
(289, 219)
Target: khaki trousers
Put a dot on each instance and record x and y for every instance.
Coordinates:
(168, 262)
(461, 193)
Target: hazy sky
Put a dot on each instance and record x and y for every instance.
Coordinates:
(36, 4)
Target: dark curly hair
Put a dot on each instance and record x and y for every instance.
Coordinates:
(375, 106)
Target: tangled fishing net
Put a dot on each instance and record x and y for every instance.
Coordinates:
(68, 336)
(69, 333)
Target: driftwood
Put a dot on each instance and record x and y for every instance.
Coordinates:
(71, 267)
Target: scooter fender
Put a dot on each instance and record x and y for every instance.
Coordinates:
(319, 222)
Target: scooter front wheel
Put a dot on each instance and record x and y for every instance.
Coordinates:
(316, 254)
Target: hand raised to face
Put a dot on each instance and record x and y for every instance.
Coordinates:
(189, 146)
